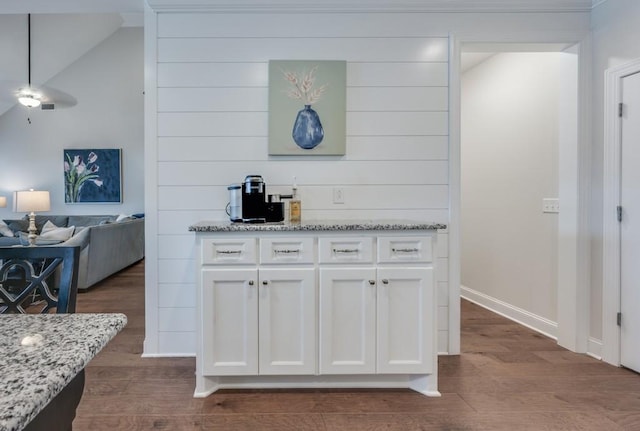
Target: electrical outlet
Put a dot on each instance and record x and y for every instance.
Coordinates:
(550, 205)
(338, 195)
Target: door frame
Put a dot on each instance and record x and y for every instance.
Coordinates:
(611, 283)
(575, 249)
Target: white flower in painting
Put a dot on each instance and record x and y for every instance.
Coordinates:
(302, 86)
(76, 173)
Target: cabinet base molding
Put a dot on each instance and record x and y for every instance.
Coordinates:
(426, 384)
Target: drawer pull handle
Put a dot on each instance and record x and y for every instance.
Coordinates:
(229, 251)
(286, 251)
(405, 250)
(250, 282)
(372, 282)
(345, 250)
(385, 281)
(265, 283)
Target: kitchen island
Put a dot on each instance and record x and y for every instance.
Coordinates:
(42, 358)
(316, 305)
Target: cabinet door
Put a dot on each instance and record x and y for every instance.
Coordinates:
(405, 320)
(230, 322)
(287, 319)
(347, 321)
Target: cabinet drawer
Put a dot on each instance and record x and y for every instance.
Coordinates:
(221, 251)
(286, 250)
(404, 249)
(346, 250)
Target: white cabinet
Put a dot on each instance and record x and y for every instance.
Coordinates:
(259, 323)
(287, 321)
(405, 332)
(347, 320)
(230, 321)
(376, 320)
(316, 309)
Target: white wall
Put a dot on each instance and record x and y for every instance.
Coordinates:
(509, 164)
(397, 147)
(615, 35)
(108, 84)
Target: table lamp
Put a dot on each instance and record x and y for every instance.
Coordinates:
(3, 201)
(31, 201)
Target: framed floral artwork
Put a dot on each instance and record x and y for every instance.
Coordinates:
(92, 176)
(307, 107)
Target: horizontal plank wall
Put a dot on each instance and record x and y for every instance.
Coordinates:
(211, 110)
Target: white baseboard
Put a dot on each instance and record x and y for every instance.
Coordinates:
(594, 348)
(168, 355)
(537, 323)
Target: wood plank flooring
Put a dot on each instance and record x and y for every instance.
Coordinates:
(507, 378)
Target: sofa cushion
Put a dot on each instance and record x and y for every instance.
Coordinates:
(24, 240)
(7, 241)
(5, 230)
(59, 221)
(89, 220)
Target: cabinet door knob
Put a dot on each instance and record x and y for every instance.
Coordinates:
(265, 282)
(250, 282)
(372, 282)
(385, 281)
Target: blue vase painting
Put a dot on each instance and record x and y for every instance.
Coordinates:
(307, 129)
(307, 107)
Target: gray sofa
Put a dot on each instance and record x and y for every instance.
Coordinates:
(108, 245)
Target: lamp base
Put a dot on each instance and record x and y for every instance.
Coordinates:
(32, 229)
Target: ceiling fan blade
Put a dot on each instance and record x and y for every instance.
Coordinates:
(57, 97)
(9, 91)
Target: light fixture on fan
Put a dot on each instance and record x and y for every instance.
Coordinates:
(30, 100)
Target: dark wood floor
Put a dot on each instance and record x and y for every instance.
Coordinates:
(507, 378)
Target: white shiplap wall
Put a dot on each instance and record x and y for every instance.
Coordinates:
(211, 95)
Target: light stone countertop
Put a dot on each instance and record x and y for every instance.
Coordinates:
(33, 375)
(329, 225)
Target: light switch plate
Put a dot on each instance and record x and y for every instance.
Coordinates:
(550, 205)
(338, 195)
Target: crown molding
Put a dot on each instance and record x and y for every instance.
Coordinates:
(397, 6)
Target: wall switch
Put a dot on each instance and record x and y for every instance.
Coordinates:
(550, 205)
(338, 195)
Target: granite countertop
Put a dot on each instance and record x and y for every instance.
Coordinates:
(32, 375)
(330, 225)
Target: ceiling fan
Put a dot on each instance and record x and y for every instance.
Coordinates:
(32, 96)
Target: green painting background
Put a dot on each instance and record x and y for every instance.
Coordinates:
(331, 107)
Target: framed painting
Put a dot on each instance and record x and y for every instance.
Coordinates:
(92, 176)
(307, 107)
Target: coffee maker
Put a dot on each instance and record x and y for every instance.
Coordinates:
(253, 200)
(247, 203)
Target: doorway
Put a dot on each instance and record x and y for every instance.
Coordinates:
(519, 182)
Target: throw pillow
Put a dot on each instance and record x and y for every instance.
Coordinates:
(18, 226)
(48, 226)
(122, 217)
(5, 230)
(56, 233)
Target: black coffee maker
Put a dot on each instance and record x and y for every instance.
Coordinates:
(255, 208)
(253, 200)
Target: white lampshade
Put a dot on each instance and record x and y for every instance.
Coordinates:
(32, 201)
(3, 201)
(29, 100)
